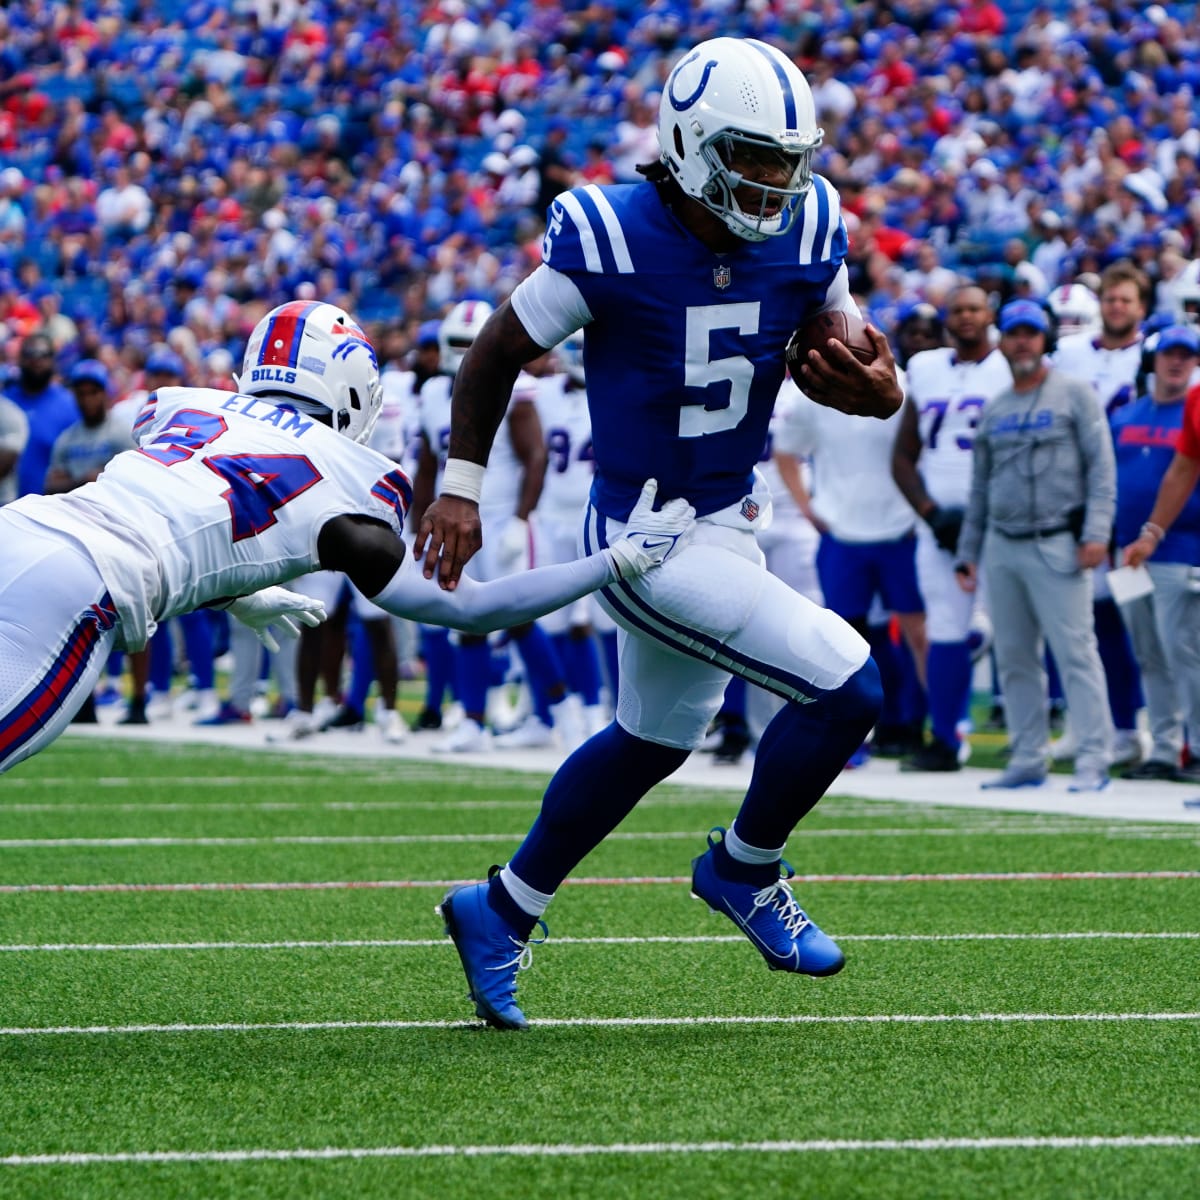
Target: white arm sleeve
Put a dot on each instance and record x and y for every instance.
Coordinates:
(475, 607)
(550, 306)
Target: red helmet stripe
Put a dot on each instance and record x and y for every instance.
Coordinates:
(281, 342)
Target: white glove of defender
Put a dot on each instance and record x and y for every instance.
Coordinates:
(651, 537)
(276, 606)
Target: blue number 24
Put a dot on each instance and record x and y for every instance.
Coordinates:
(259, 484)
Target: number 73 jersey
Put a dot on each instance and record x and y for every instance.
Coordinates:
(949, 394)
(225, 495)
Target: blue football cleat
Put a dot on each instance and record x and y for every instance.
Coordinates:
(769, 916)
(491, 953)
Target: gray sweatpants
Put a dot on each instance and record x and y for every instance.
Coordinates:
(1165, 631)
(1037, 591)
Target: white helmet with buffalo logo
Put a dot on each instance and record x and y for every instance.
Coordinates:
(318, 356)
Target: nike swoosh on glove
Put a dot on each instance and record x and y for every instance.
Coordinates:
(651, 536)
(276, 606)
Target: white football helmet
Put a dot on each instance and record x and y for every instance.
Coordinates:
(570, 354)
(732, 105)
(1185, 296)
(317, 356)
(1075, 307)
(459, 328)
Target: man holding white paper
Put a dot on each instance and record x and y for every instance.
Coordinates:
(1157, 444)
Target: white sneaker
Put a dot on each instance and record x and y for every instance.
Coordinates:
(324, 709)
(467, 737)
(531, 734)
(1127, 748)
(390, 724)
(595, 718)
(294, 727)
(568, 723)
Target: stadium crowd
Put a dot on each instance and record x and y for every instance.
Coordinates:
(171, 172)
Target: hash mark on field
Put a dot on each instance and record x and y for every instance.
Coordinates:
(606, 1022)
(586, 881)
(653, 940)
(586, 1150)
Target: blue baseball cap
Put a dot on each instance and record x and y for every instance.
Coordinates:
(1179, 337)
(427, 335)
(89, 370)
(1023, 312)
(164, 361)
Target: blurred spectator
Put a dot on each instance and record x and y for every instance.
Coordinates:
(14, 433)
(83, 449)
(48, 407)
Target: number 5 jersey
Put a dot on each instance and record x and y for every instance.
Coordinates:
(226, 494)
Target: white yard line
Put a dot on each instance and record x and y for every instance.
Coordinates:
(609, 1022)
(656, 940)
(1157, 832)
(583, 881)
(589, 1150)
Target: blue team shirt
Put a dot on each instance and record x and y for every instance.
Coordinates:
(49, 413)
(685, 353)
(1145, 435)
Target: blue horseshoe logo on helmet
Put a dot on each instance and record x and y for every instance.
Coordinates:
(677, 104)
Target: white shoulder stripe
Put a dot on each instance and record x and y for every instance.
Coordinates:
(835, 217)
(616, 235)
(808, 229)
(587, 236)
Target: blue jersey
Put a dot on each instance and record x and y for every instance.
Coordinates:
(684, 355)
(1145, 435)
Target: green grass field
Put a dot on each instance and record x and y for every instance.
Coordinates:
(167, 1029)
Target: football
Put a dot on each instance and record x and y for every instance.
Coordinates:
(815, 333)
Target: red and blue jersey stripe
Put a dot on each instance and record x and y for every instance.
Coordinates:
(394, 489)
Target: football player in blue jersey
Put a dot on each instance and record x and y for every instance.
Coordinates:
(687, 286)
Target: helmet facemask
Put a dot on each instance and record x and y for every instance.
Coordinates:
(737, 160)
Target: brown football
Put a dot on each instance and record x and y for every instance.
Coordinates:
(816, 332)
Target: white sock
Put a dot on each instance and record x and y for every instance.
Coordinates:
(740, 852)
(524, 897)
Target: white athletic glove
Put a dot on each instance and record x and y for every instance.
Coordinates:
(276, 606)
(513, 544)
(650, 537)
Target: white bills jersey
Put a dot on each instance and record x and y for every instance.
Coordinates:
(226, 494)
(570, 465)
(949, 395)
(502, 483)
(1111, 373)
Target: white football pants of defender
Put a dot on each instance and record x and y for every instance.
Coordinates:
(709, 612)
(57, 628)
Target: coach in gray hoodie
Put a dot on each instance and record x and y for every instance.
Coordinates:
(1043, 496)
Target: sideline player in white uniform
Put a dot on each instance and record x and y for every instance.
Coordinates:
(688, 286)
(1108, 358)
(230, 493)
(931, 463)
(570, 470)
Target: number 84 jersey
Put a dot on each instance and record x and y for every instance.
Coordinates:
(225, 495)
(949, 394)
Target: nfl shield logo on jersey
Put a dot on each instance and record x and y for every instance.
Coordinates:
(722, 276)
(750, 509)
